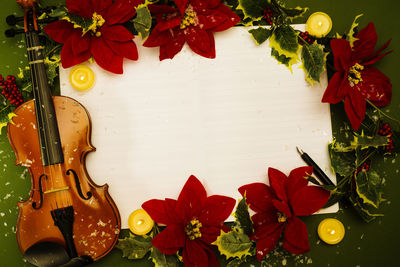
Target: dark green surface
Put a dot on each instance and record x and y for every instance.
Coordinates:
(373, 244)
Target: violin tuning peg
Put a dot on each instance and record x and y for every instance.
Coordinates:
(12, 20)
(12, 32)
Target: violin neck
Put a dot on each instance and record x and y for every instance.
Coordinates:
(49, 137)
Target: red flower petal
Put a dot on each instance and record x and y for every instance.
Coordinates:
(171, 239)
(191, 199)
(158, 211)
(69, 59)
(213, 3)
(365, 45)
(124, 49)
(170, 49)
(211, 19)
(334, 92)
(342, 52)
(181, 4)
(232, 18)
(277, 180)
(263, 218)
(162, 9)
(375, 87)
(194, 254)
(265, 230)
(209, 233)
(376, 56)
(158, 38)
(80, 44)
(259, 197)
(282, 207)
(216, 210)
(308, 200)
(268, 243)
(169, 24)
(82, 8)
(297, 179)
(200, 41)
(59, 31)
(101, 5)
(116, 33)
(355, 105)
(105, 57)
(120, 11)
(296, 236)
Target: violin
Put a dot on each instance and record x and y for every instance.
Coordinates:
(50, 136)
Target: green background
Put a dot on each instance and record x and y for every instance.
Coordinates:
(373, 244)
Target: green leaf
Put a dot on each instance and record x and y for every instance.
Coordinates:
(350, 34)
(342, 159)
(364, 142)
(288, 62)
(284, 41)
(260, 34)
(134, 247)
(342, 190)
(234, 263)
(233, 244)
(313, 58)
(85, 24)
(142, 22)
(6, 116)
(243, 217)
(367, 212)
(253, 9)
(369, 187)
(294, 13)
(161, 260)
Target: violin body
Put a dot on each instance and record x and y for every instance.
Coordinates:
(96, 220)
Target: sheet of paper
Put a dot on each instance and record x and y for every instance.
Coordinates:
(225, 120)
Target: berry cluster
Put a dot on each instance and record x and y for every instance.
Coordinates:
(365, 166)
(306, 37)
(268, 15)
(385, 130)
(10, 90)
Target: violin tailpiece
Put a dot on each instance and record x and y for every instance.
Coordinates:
(64, 218)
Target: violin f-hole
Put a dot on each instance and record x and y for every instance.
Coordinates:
(78, 185)
(34, 205)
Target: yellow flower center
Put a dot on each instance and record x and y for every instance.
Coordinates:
(354, 76)
(189, 18)
(281, 217)
(192, 229)
(98, 21)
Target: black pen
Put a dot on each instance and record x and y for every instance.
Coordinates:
(317, 170)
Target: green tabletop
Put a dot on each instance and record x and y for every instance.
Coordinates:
(365, 244)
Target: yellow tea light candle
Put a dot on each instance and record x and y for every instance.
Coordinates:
(319, 24)
(331, 231)
(140, 222)
(81, 77)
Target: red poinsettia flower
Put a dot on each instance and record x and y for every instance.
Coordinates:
(278, 206)
(355, 81)
(192, 22)
(194, 221)
(106, 40)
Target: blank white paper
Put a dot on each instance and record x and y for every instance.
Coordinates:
(225, 120)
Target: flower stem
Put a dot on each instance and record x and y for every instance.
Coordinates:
(381, 112)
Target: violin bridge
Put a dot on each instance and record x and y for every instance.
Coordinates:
(64, 188)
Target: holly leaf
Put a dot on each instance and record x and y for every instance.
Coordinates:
(233, 244)
(243, 217)
(367, 212)
(313, 58)
(234, 263)
(134, 246)
(260, 34)
(284, 41)
(342, 159)
(293, 13)
(350, 34)
(288, 62)
(253, 9)
(142, 22)
(6, 116)
(161, 260)
(364, 142)
(85, 24)
(369, 187)
(338, 193)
